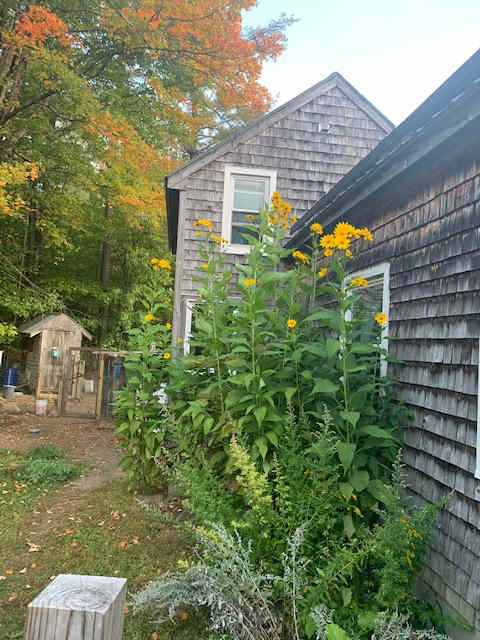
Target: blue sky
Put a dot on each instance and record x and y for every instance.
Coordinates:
(395, 53)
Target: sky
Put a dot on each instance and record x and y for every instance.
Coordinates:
(395, 53)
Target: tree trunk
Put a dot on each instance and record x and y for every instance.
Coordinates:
(105, 271)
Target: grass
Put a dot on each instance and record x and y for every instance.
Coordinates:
(46, 530)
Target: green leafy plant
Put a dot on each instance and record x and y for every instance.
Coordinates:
(141, 421)
(45, 451)
(50, 471)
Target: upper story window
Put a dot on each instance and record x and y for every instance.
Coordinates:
(373, 298)
(246, 191)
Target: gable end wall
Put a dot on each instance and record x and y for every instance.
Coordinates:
(308, 163)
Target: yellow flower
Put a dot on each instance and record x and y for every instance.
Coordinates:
(169, 325)
(328, 252)
(199, 233)
(204, 266)
(301, 256)
(291, 323)
(164, 264)
(154, 261)
(317, 228)
(293, 219)
(348, 253)
(249, 281)
(357, 511)
(217, 239)
(381, 318)
(328, 242)
(365, 233)
(276, 199)
(149, 317)
(343, 242)
(155, 267)
(359, 282)
(179, 340)
(167, 355)
(344, 229)
(249, 216)
(273, 219)
(322, 272)
(203, 222)
(285, 224)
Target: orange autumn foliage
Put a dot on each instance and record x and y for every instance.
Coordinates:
(36, 24)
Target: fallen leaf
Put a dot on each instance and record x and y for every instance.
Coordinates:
(32, 547)
(34, 566)
(12, 597)
(24, 570)
(122, 544)
(126, 609)
(3, 578)
(115, 515)
(9, 572)
(183, 615)
(67, 532)
(154, 636)
(136, 540)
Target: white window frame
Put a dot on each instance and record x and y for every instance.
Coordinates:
(376, 270)
(228, 186)
(189, 304)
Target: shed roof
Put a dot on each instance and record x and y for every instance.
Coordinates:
(451, 109)
(175, 179)
(52, 321)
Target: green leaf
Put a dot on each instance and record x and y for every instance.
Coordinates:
(334, 632)
(348, 526)
(360, 480)
(346, 490)
(363, 347)
(346, 451)
(346, 596)
(262, 446)
(380, 491)
(322, 385)
(376, 432)
(350, 416)
(289, 392)
(333, 347)
(272, 436)
(315, 348)
(260, 413)
(366, 619)
(310, 627)
(331, 318)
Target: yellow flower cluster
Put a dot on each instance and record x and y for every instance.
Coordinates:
(341, 238)
(302, 257)
(218, 239)
(359, 282)
(284, 212)
(204, 222)
(381, 318)
(160, 264)
(317, 228)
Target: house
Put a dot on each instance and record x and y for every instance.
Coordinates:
(419, 193)
(301, 149)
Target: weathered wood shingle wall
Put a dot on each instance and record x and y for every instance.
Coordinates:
(308, 163)
(431, 237)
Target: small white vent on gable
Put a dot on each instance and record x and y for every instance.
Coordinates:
(323, 127)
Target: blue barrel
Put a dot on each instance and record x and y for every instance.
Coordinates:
(9, 377)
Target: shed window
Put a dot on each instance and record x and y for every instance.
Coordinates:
(374, 298)
(246, 192)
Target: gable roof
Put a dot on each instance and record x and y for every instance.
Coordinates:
(40, 323)
(175, 179)
(448, 111)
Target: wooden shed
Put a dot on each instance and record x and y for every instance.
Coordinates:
(51, 338)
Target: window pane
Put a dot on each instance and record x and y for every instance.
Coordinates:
(239, 217)
(370, 303)
(249, 193)
(237, 237)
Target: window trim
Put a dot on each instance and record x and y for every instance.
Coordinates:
(230, 171)
(382, 268)
(187, 333)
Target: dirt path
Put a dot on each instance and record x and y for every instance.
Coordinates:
(78, 438)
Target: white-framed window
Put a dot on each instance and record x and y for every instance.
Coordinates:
(246, 191)
(376, 296)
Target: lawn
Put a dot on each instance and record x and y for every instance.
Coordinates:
(50, 529)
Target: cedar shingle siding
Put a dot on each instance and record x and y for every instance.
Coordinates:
(419, 192)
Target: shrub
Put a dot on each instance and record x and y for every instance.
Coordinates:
(41, 471)
(45, 452)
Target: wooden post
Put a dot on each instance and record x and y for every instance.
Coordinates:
(78, 608)
(98, 411)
